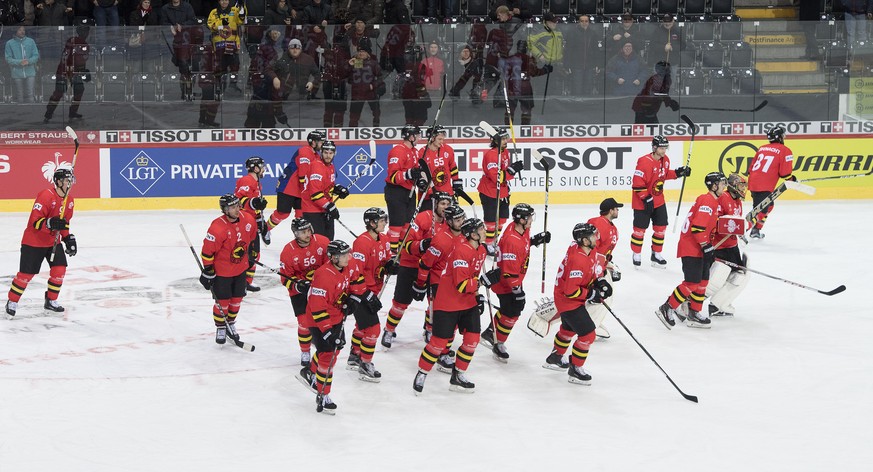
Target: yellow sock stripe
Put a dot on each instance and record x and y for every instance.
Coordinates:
(698, 297)
(678, 295)
(368, 348)
(427, 357)
(304, 339)
(465, 356)
(16, 289)
(657, 241)
(580, 354)
(250, 272)
(636, 242)
(218, 319)
(561, 343)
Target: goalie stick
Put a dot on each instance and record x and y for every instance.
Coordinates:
(536, 154)
(693, 129)
(244, 346)
(830, 293)
(768, 200)
(57, 238)
(849, 176)
(686, 396)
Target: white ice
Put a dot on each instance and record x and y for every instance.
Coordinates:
(130, 379)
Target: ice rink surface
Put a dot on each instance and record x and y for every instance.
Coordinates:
(130, 379)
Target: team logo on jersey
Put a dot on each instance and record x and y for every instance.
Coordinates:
(358, 167)
(142, 173)
(319, 251)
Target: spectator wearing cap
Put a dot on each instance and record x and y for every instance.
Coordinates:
(605, 245)
(546, 45)
(623, 32)
(366, 82)
(293, 77)
(584, 57)
(666, 41)
(358, 29)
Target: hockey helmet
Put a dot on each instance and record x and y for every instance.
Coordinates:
(314, 136)
(374, 214)
(776, 134)
(737, 185)
(582, 231)
(470, 226)
(328, 146)
(439, 195)
(337, 248)
(522, 211)
(253, 162)
(501, 136)
(454, 212)
(61, 174)
(712, 179)
(435, 130)
(409, 130)
(227, 200)
(660, 141)
(300, 224)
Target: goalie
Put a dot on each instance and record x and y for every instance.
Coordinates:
(725, 284)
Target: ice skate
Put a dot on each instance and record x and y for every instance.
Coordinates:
(460, 383)
(354, 362)
(756, 233)
(52, 305)
(325, 405)
(602, 333)
(681, 312)
(696, 320)
(231, 332)
(305, 358)
(252, 288)
(307, 379)
(388, 338)
(716, 311)
(446, 362)
(11, 308)
(500, 353)
(578, 375)
(638, 261)
(418, 383)
(487, 337)
(220, 335)
(555, 362)
(658, 261)
(368, 373)
(665, 314)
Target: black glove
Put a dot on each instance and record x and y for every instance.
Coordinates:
(490, 278)
(224, 22)
(391, 266)
(70, 242)
(332, 212)
(422, 183)
(258, 203)
(302, 286)
(708, 254)
(792, 178)
(418, 291)
(282, 118)
(491, 250)
(207, 277)
(350, 305)
(340, 191)
(649, 204)
(253, 253)
(600, 290)
(544, 237)
(424, 244)
(515, 167)
(370, 298)
(520, 299)
(683, 171)
(480, 302)
(412, 174)
(57, 224)
(548, 68)
(265, 233)
(673, 104)
(458, 187)
(334, 337)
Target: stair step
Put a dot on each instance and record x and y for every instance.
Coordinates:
(780, 52)
(776, 39)
(798, 90)
(793, 79)
(766, 13)
(787, 66)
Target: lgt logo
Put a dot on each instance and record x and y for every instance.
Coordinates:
(142, 173)
(359, 170)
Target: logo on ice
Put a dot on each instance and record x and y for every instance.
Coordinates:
(142, 173)
(358, 166)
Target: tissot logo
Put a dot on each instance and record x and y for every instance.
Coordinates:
(142, 173)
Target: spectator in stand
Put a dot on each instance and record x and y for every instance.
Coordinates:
(397, 13)
(296, 10)
(294, 77)
(22, 57)
(584, 57)
(434, 68)
(317, 13)
(518, 69)
(624, 32)
(442, 9)
(665, 40)
(179, 16)
(278, 14)
(369, 11)
(260, 110)
(515, 8)
(52, 13)
(413, 91)
(367, 84)
(358, 29)
(467, 68)
(625, 72)
(225, 23)
(144, 15)
(546, 45)
(398, 38)
(71, 68)
(856, 14)
(106, 13)
(81, 7)
(334, 77)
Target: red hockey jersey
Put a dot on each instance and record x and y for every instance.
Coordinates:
(299, 263)
(728, 205)
(317, 195)
(294, 178)
(370, 256)
(492, 167)
(459, 282)
(226, 245)
(47, 205)
(608, 235)
(400, 159)
(649, 178)
(514, 250)
(575, 275)
(433, 261)
(247, 188)
(422, 227)
(772, 162)
(699, 226)
(443, 167)
(326, 297)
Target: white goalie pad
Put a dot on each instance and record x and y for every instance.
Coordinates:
(543, 316)
(725, 297)
(718, 275)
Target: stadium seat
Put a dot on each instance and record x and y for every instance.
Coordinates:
(613, 7)
(730, 31)
(145, 88)
(721, 82)
(535, 8)
(740, 55)
(113, 88)
(694, 7)
(586, 7)
(667, 6)
(477, 10)
(256, 7)
(722, 7)
(560, 7)
(703, 31)
(113, 59)
(712, 56)
(641, 7)
(691, 82)
(170, 88)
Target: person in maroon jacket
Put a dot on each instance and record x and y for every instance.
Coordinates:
(365, 78)
(71, 69)
(458, 305)
(49, 221)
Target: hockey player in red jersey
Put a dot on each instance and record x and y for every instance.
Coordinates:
(423, 229)
(647, 199)
(579, 280)
(497, 168)
(297, 264)
(403, 174)
(48, 223)
(328, 307)
(248, 190)
(227, 253)
(508, 280)
(318, 197)
(725, 283)
(294, 179)
(606, 242)
(457, 305)
(371, 254)
(773, 161)
(697, 253)
(440, 158)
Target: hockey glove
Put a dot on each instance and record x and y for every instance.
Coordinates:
(57, 224)
(258, 203)
(548, 68)
(683, 171)
(490, 278)
(418, 291)
(600, 290)
(265, 234)
(302, 286)
(340, 191)
(480, 303)
(334, 337)
(70, 242)
(708, 254)
(207, 277)
(792, 178)
(515, 167)
(491, 250)
(331, 211)
(422, 183)
(519, 296)
(350, 305)
(614, 272)
(254, 252)
(649, 204)
(458, 187)
(423, 245)
(412, 174)
(372, 301)
(544, 237)
(391, 267)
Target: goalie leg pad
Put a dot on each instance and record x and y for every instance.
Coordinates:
(718, 276)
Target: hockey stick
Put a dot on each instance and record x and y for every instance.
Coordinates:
(693, 129)
(849, 176)
(347, 229)
(433, 125)
(403, 241)
(745, 110)
(768, 200)
(829, 293)
(57, 238)
(684, 395)
(244, 346)
(536, 154)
